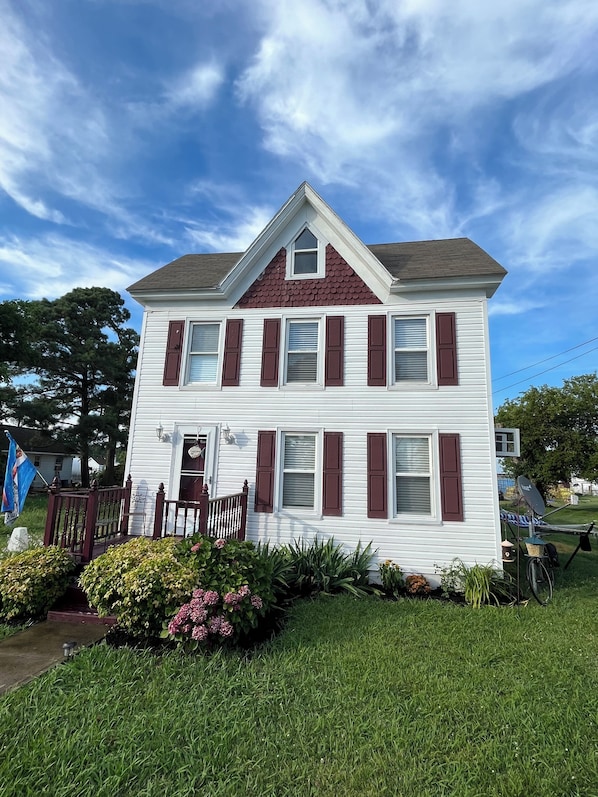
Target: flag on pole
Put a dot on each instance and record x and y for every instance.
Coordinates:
(20, 472)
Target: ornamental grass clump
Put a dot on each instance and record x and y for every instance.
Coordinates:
(141, 583)
(327, 567)
(31, 581)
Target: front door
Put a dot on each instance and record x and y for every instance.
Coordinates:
(193, 467)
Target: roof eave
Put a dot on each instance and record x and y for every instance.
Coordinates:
(488, 284)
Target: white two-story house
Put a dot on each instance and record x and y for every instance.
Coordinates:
(348, 384)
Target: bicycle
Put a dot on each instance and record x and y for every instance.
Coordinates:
(538, 570)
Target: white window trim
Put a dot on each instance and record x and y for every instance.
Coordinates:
(319, 381)
(316, 512)
(432, 381)
(321, 255)
(210, 432)
(188, 354)
(434, 517)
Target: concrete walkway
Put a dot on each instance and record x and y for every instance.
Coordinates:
(31, 652)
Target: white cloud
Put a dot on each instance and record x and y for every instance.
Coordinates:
(52, 265)
(196, 88)
(232, 224)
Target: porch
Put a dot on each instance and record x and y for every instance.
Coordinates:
(87, 522)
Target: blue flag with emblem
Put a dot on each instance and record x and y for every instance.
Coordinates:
(20, 472)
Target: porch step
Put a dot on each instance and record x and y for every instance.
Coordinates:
(73, 607)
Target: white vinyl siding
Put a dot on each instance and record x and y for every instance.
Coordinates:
(298, 471)
(413, 476)
(301, 364)
(411, 347)
(203, 353)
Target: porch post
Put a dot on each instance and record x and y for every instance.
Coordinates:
(159, 512)
(203, 510)
(91, 516)
(53, 491)
(124, 518)
(243, 524)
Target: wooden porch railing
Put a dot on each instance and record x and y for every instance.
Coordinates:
(83, 521)
(224, 517)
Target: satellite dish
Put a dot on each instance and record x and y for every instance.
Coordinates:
(531, 496)
(195, 451)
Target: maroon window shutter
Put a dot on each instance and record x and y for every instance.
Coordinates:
(231, 364)
(332, 503)
(446, 349)
(377, 350)
(270, 352)
(450, 477)
(174, 353)
(264, 476)
(377, 477)
(335, 346)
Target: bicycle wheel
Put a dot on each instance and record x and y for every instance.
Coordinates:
(539, 580)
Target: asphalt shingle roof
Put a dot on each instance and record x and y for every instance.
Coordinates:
(416, 260)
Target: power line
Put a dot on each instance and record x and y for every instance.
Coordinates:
(558, 365)
(533, 365)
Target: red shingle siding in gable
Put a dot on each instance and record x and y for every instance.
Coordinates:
(341, 285)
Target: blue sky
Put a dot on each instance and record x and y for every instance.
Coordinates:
(135, 131)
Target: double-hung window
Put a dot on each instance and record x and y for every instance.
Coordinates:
(299, 471)
(413, 475)
(411, 349)
(302, 344)
(204, 350)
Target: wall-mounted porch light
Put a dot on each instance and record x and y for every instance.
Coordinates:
(227, 435)
(162, 436)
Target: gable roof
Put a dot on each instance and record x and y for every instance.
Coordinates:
(385, 267)
(415, 260)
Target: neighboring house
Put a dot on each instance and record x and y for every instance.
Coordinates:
(349, 384)
(45, 451)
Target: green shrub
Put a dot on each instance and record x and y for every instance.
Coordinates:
(141, 583)
(31, 581)
(479, 584)
(325, 567)
(391, 577)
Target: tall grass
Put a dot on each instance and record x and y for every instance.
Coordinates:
(356, 697)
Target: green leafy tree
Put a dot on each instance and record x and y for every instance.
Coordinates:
(83, 355)
(559, 431)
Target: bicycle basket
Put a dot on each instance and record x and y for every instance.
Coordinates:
(534, 545)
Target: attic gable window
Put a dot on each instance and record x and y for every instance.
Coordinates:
(305, 256)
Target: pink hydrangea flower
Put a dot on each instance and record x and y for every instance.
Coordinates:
(220, 543)
(214, 626)
(173, 627)
(199, 633)
(199, 614)
(196, 547)
(244, 591)
(226, 629)
(198, 593)
(256, 602)
(231, 598)
(211, 598)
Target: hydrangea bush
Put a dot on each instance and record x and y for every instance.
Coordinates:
(211, 617)
(31, 581)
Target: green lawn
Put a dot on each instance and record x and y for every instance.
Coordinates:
(33, 517)
(356, 697)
